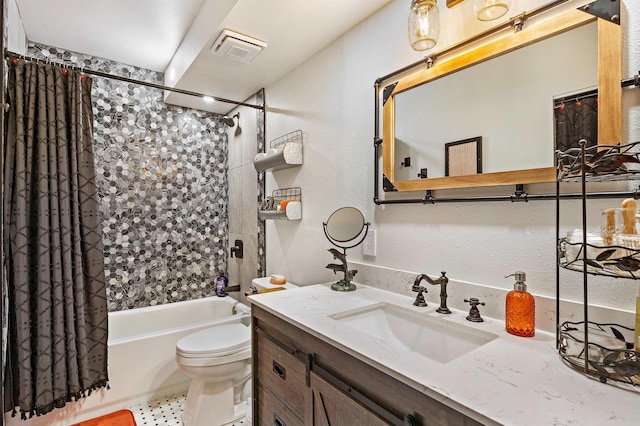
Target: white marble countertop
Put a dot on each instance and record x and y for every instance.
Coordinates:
(510, 380)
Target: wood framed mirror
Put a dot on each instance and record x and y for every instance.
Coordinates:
(517, 125)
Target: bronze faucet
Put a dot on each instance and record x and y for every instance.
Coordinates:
(442, 281)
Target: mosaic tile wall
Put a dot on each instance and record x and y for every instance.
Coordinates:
(162, 183)
(262, 241)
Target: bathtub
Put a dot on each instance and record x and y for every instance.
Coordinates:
(142, 343)
(142, 349)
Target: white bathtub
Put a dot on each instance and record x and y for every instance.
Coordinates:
(142, 364)
(142, 343)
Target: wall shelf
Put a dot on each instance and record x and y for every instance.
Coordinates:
(284, 152)
(271, 209)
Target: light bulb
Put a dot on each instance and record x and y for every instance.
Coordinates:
(488, 10)
(424, 24)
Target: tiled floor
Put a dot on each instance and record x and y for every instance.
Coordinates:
(167, 411)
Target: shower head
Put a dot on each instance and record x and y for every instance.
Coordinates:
(229, 120)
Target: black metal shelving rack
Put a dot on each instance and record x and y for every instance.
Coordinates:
(602, 351)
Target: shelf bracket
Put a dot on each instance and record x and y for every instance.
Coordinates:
(429, 197)
(520, 194)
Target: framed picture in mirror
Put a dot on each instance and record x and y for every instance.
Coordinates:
(464, 157)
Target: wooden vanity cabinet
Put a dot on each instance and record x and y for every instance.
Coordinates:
(299, 379)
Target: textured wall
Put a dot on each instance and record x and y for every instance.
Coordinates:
(162, 184)
(330, 97)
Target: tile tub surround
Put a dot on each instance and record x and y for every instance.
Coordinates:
(511, 380)
(161, 173)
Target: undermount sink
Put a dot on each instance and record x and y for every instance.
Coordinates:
(421, 333)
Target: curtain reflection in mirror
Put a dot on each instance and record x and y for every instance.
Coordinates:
(575, 119)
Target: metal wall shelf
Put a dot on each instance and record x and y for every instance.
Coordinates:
(271, 209)
(284, 152)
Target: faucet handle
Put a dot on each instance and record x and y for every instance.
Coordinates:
(474, 312)
(419, 297)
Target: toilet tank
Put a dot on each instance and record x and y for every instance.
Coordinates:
(263, 282)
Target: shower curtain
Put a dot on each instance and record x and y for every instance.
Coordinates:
(57, 308)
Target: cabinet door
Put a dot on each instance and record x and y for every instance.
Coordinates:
(331, 406)
(282, 373)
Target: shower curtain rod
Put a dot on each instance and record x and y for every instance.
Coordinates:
(12, 55)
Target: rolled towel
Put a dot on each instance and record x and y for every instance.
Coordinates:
(629, 209)
(294, 210)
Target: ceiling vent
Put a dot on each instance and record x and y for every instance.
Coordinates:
(236, 46)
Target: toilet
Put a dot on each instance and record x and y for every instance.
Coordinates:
(218, 362)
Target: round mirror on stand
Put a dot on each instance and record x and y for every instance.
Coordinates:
(345, 228)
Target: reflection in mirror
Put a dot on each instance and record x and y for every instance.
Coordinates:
(508, 101)
(345, 229)
(345, 224)
(501, 94)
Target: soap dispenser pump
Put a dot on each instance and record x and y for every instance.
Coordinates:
(520, 312)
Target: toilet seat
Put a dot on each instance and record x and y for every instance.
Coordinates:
(214, 342)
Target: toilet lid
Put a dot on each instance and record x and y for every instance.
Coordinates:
(218, 340)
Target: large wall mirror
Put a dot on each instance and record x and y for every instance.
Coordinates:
(485, 117)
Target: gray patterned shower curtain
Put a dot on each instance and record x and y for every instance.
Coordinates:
(57, 307)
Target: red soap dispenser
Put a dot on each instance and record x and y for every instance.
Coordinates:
(520, 312)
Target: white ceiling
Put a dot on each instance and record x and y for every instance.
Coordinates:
(174, 36)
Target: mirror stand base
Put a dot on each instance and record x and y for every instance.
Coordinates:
(343, 286)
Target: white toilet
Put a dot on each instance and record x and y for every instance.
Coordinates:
(218, 361)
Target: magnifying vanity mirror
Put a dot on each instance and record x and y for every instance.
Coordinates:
(485, 117)
(345, 228)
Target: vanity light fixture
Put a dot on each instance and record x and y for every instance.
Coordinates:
(424, 24)
(424, 18)
(488, 10)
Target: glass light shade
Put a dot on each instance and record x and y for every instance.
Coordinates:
(424, 24)
(488, 10)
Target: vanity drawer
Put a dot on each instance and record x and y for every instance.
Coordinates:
(282, 373)
(272, 410)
